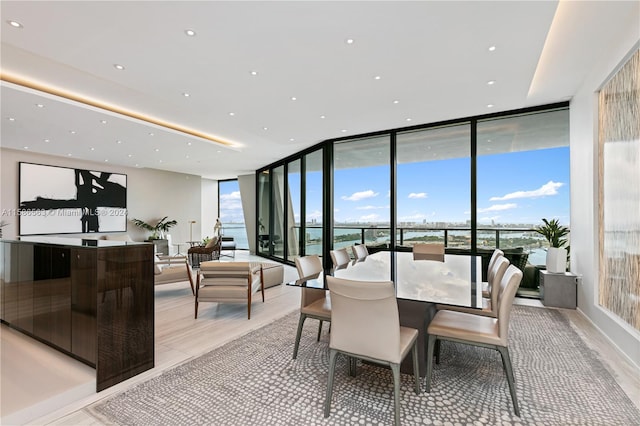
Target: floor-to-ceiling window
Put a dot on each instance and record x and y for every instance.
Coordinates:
(231, 214)
(294, 181)
(522, 177)
(452, 182)
(434, 186)
(313, 204)
(263, 208)
(361, 176)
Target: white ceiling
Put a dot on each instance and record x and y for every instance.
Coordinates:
(432, 57)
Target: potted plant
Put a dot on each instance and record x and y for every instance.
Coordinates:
(159, 230)
(554, 233)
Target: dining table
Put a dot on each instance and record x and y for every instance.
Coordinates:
(421, 287)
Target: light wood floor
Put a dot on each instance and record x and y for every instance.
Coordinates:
(40, 386)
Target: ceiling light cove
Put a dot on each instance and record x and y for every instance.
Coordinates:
(28, 85)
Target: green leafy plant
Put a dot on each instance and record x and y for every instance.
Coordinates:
(553, 232)
(158, 230)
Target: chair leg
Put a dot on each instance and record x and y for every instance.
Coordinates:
(249, 305)
(196, 317)
(353, 366)
(395, 368)
(506, 362)
(298, 334)
(430, 345)
(319, 331)
(416, 368)
(437, 350)
(332, 369)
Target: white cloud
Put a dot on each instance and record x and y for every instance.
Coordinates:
(370, 217)
(498, 208)
(362, 195)
(316, 214)
(372, 207)
(418, 195)
(549, 188)
(235, 195)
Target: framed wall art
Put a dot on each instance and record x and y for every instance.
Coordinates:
(62, 200)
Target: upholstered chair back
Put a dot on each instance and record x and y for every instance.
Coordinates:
(497, 253)
(360, 251)
(308, 266)
(340, 257)
(364, 318)
(508, 287)
(495, 278)
(428, 252)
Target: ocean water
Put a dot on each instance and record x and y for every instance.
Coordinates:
(239, 234)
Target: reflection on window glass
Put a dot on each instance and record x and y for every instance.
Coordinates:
(434, 186)
(313, 203)
(293, 203)
(522, 177)
(264, 202)
(361, 192)
(231, 214)
(278, 197)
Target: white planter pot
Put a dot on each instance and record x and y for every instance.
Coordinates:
(556, 260)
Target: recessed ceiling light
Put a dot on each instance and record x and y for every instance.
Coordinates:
(343, 130)
(25, 147)
(12, 119)
(40, 105)
(159, 161)
(292, 139)
(349, 41)
(396, 102)
(106, 160)
(15, 24)
(323, 117)
(47, 140)
(492, 48)
(92, 149)
(186, 156)
(118, 67)
(150, 134)
(69, 155)
(490, 106)
(73, 132)
(157, 150)
(137, 165)
(232, 114)
(118, 141)
(186, 95)
(217, 152)
(491, 82)
(408, 119)
(190, 33)
(293, 98)
(254, 72)
(377, 77)
(188, 143)
(103, 121)
(265, 128)
(130, 155)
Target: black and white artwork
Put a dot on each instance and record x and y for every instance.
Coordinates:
(62, 200)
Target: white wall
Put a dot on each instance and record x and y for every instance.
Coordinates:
(584, 191)
(151, 194)
(247, 184)
(209, 213)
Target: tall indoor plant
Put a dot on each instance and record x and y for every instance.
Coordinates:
(555, 234)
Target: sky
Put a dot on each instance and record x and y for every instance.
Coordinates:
(512, 188)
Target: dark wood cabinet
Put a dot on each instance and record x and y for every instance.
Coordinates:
(93, 301)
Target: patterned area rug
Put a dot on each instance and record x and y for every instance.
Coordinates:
(254, 381)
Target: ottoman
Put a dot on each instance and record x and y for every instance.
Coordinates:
(272, 274)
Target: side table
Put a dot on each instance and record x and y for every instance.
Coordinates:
(558, 290)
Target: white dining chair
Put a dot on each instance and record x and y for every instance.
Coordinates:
(314, 303)
(476, 330)
(365, 325)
